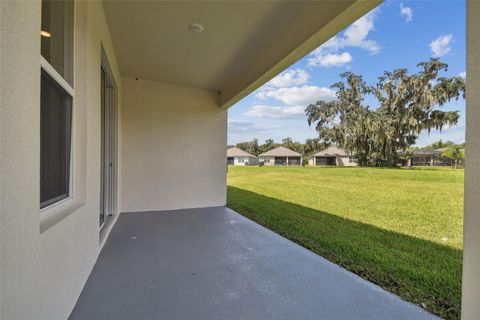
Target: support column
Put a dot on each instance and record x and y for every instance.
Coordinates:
(471, 255)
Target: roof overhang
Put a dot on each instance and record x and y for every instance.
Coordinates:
(244, 44)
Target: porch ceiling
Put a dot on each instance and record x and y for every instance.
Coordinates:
(245, 43)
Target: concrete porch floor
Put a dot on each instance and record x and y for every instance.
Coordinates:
(212, 263)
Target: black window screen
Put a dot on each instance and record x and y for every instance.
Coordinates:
(55, 131)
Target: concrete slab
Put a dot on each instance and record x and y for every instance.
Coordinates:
(213, 263)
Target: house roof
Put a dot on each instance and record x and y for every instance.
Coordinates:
(331, 151)
(443, 149)
(421, 152)
(236, 152)
(281, 152)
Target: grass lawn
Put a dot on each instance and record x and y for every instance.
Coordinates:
(399, 228)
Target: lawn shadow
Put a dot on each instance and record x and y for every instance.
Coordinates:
(421, 271)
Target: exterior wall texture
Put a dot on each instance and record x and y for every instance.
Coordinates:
(471, 253)
(345, 162)
(174, 140)
(340, 161)
(267, 161)
(43, 273)
(240, 161)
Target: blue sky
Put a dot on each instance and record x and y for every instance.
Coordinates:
(394, 35)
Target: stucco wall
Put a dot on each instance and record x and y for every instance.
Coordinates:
(267, 161)
(43, 273)
(471, 253)
(340, 161)
(345, 162)
(251, 161)
(173, 147)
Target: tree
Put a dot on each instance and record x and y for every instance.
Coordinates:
(267, 146)
(312, 146)
(439, 145)
(407, 105)
(455, 154)
(246, 146)
(249, 146)
(255, 148)
(292, 145)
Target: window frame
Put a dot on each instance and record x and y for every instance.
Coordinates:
(57, 211)
(48, 68)
(59, 198)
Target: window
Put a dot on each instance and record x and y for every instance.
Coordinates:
(55, 140)
(57, 36)
(353, 159)
(56, 102)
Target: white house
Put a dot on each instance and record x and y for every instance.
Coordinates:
(239, 157)
(332, 156)
(113, 126)
(280, 156)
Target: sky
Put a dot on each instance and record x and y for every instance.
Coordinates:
(394, 35)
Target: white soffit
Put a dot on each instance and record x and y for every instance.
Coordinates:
(243, 44)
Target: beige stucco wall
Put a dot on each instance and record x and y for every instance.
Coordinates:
(252, 161)
(42, 274)
(267, 161)
(471, 253)
(173, 147)
(345, 162)
(341, 161)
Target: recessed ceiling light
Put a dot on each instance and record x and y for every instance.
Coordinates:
(195, 27)
(45, 34)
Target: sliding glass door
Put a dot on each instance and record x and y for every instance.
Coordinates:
(109, 144)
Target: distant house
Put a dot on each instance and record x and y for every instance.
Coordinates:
(332, 156)
(281, 156)
(239, 157)
(423, 158)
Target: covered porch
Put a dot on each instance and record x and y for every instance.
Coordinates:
(213, 263)
(176, 69)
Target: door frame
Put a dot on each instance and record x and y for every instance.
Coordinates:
(109, 143)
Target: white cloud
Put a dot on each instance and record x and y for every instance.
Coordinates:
(441, 45)
(463, 74)
(239, 126)
(407, 12)
(264, 111)
(330, 59)
(298, 96)
(354, 36)
(290, 78)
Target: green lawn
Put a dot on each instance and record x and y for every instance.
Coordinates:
(399, 228)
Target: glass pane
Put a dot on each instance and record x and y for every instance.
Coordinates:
(55, 140)
(57, 36)
(102, 176)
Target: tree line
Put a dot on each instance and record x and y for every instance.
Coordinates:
(450, 150)
(306, 149)
(406, 105)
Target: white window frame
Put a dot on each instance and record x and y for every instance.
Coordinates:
(57, 211)
(47, 67)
